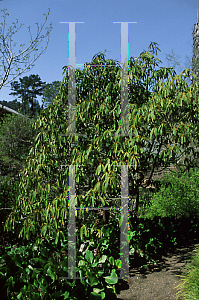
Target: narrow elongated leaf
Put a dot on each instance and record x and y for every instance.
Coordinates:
(44, 229)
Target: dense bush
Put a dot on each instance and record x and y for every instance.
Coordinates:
(8, 194)
(16, 138)
(32, 270)
(179, 198)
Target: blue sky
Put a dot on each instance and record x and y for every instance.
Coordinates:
(169, 23)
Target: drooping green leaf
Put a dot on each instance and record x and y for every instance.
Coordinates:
(112, 279)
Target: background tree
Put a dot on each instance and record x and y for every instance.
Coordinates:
(191, 62)
(9, 59)
(28, 89)
(50, 92)
(161, 128)
(16, 138)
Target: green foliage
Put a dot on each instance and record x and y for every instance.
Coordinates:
(34, 271)
(8, 195)
(179, 198)
(151, 238)
(16, 138)
(169, 108)
(162, 123)
(50, 92)
(171, 105)
(188, 285)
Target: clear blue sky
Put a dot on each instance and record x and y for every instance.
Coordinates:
(168, 22)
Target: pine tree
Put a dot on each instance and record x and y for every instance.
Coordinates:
(28, 89)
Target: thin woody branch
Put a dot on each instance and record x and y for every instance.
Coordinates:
(11, 59)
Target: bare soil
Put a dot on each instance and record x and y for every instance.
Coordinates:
(156, 282)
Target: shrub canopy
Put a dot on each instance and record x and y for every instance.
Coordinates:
(163, 123)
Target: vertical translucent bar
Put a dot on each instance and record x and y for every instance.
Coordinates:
(71, 225)
(124, 245)
(71, 82)
(124, 79)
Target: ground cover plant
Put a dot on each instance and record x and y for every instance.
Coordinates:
(163, 125)
(188, 286)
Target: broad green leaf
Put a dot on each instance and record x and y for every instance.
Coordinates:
(93, 280)
(89, 256)
(118, 263)
(95, 296)
(81, 263)
(113, 279)
(102, 259)
(95, 290)
(94, 265)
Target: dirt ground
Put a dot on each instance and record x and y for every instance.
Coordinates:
(156, 282)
